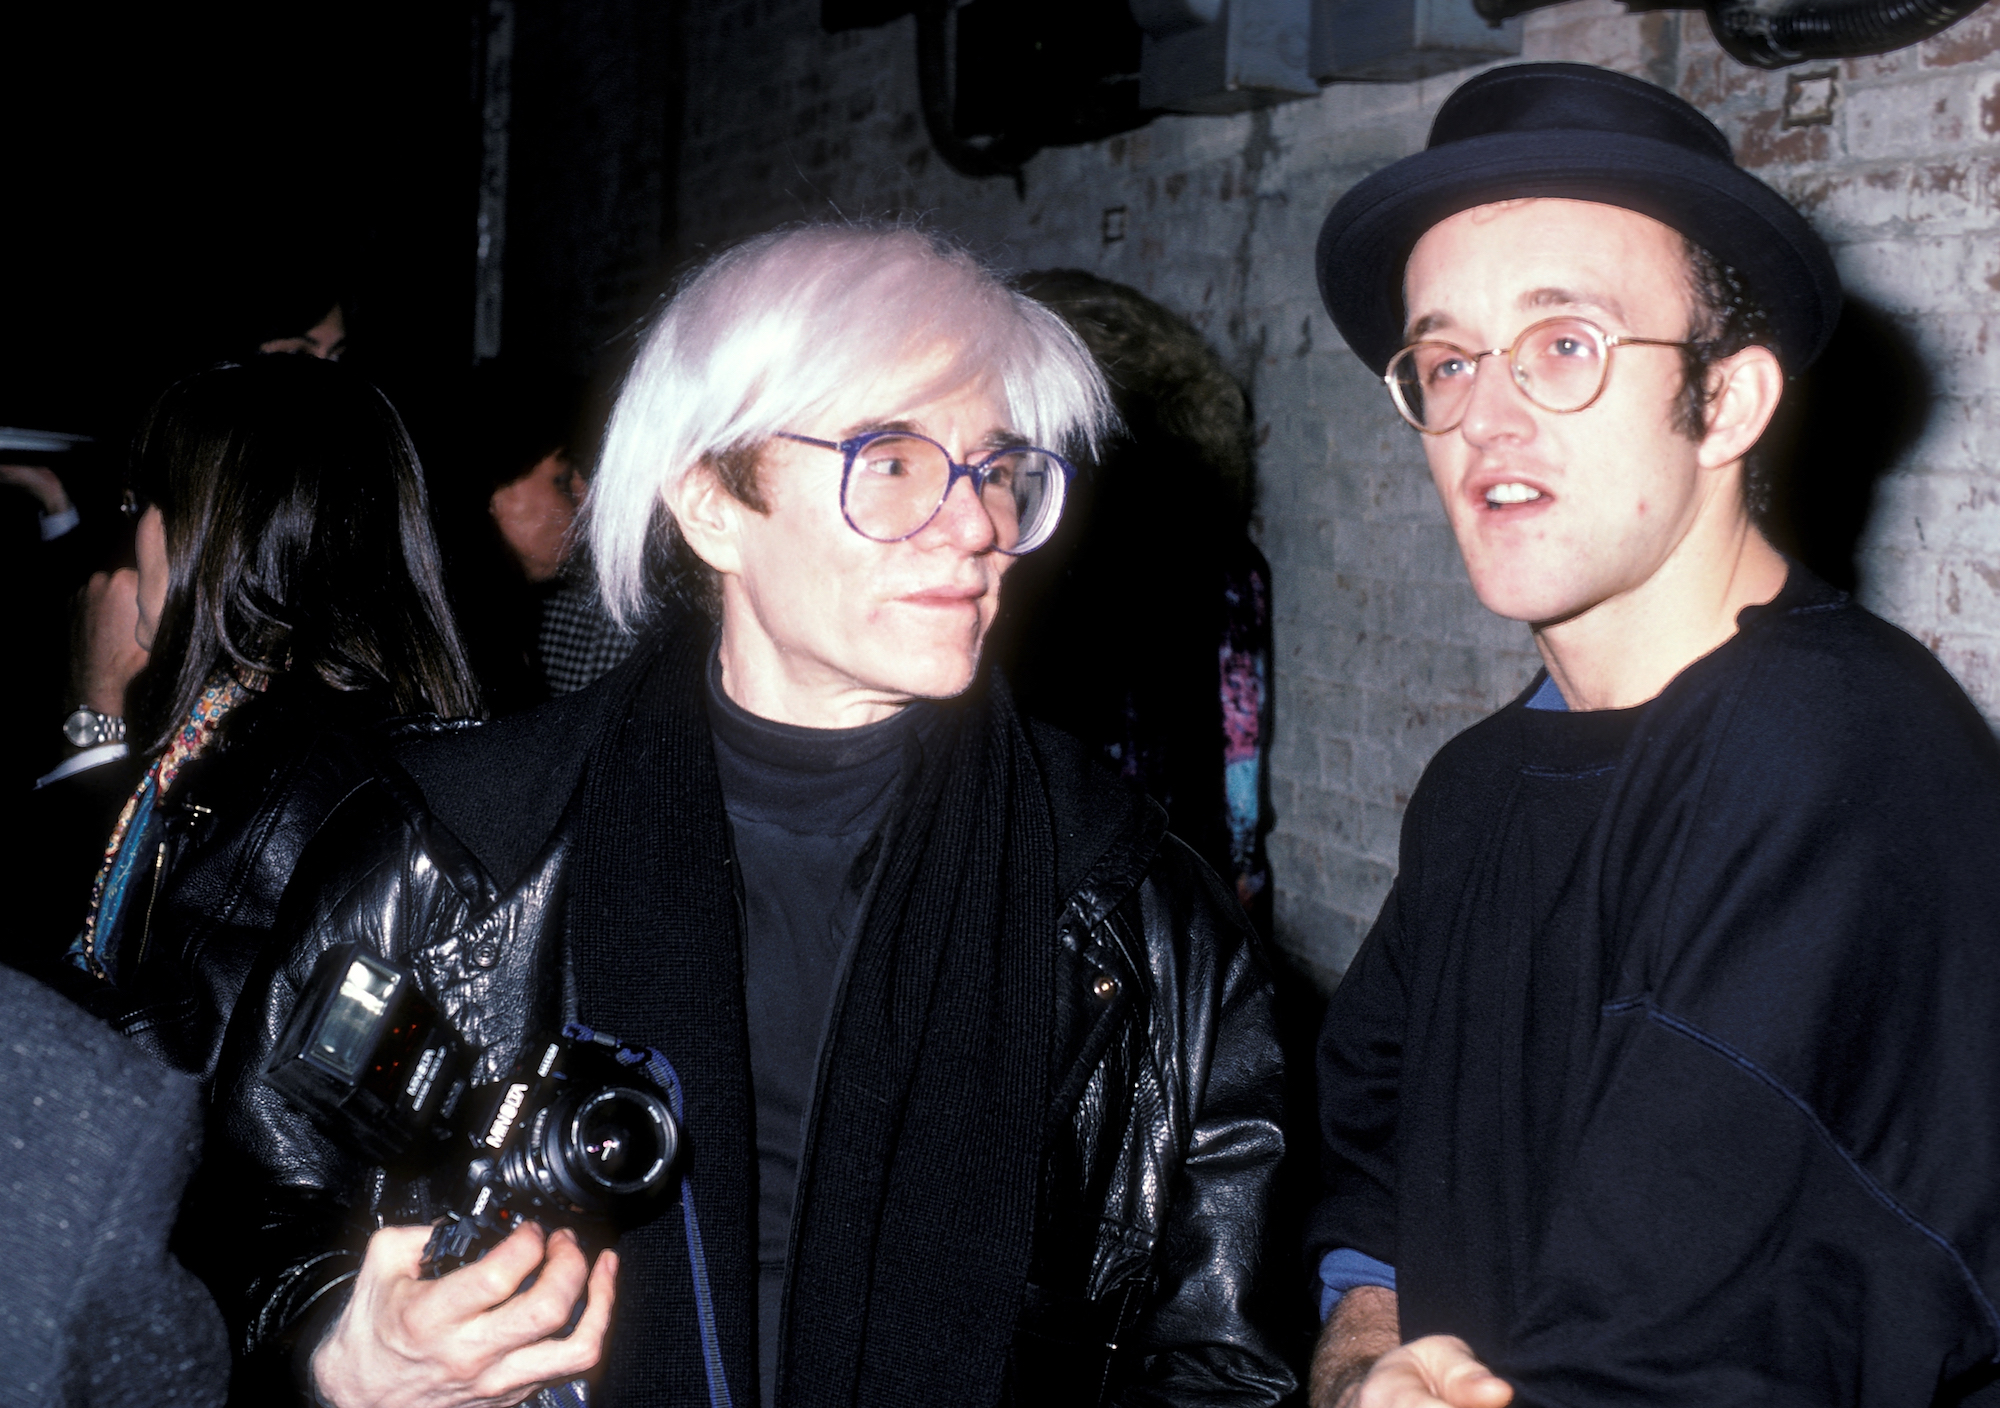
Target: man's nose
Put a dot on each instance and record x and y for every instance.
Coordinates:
(962, 518)
(1497, 408)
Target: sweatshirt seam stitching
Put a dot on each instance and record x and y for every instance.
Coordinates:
(1644, 1002)
(1549, 774)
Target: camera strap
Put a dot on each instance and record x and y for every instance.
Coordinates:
(660, 1071)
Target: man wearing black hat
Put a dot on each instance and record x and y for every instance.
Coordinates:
(1670, 1072)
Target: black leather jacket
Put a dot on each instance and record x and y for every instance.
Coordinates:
(1150, 1234)
(231, 829)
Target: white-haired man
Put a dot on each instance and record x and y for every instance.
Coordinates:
(1667, 1074)
(979, 1078)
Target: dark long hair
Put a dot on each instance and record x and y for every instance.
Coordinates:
(298, 539)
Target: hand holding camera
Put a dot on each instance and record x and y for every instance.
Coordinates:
(577, 1142)
(472, 1339)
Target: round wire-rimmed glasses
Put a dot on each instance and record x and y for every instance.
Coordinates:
(1560, 364)
(894, 482)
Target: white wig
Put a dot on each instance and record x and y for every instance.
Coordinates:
(778, 331)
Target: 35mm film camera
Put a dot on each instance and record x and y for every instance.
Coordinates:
(577, 1135)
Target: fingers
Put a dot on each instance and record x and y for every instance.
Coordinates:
(603, 1291)
(1476, 1386)
(553, 1361)
(1396, 1381)
(1456, 1377)
(1452, 1376)
(495, 1278)
(471, 1337)
(545, 1307)
(44, 483)
(106, 653)
(396, 1251)
(1435, 1372)
(111, 602)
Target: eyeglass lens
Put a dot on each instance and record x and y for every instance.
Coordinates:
(899, 482)
(1559, 364)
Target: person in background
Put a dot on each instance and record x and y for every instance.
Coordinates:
(68, 638)
(534, 621)
(64, 816)
(288, 589)
(326, 339)
(981, 1090)
(57, 515)
(45, 557)
(536, 513)
(299, 302)
(576, 639)
(1163, 663)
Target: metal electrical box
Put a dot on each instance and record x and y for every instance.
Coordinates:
(1394, 41)
(1216, 56)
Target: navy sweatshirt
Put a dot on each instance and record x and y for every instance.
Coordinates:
(1670, 1072)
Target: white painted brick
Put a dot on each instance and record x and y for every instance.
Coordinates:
(1960, 436)
(1914, 276)
(1968, 601)
(1924, 120)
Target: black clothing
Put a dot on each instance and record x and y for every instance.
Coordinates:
(224, 841)
(51, 860)
(1046, 1116)
(1669, 1072)
(807, 810)
(96, 1142)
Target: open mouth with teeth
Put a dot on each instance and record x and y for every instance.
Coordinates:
(1504, 495)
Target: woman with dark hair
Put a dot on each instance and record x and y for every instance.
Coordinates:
(291, 596)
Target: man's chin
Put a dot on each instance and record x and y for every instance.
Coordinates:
(1536, 604)
(945, 675)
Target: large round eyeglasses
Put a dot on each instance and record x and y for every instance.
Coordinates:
(894, 483)
(1559, 364)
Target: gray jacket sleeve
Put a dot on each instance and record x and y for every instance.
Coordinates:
(96, 1144)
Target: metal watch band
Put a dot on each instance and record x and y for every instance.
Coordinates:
(86, 728)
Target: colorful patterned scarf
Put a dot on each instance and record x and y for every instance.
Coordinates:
(224, 691)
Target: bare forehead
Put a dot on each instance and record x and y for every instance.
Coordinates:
(946, 398)
(1517, 256)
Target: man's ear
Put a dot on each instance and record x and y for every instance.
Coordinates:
(709, 517)
(1746, 389)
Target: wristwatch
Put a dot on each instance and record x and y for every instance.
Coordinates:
(86, 728)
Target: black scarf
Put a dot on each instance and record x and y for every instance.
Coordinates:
(917, 1192)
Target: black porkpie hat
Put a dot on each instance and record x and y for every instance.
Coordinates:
(1578, 133)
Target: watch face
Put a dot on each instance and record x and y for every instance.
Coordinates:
(85, 728)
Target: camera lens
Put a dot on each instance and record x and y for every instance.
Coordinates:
(605, 1150)
(621, 1139)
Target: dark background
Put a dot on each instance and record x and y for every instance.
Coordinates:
(169, 174)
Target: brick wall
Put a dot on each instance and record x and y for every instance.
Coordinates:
(1383, 653)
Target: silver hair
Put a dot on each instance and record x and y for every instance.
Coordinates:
(773, 333)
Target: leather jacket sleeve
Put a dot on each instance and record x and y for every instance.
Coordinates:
(1149, 1265)
(385, 874)
(284, 1211)
(1198, 1337)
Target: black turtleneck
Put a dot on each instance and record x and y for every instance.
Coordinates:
(809, 811)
